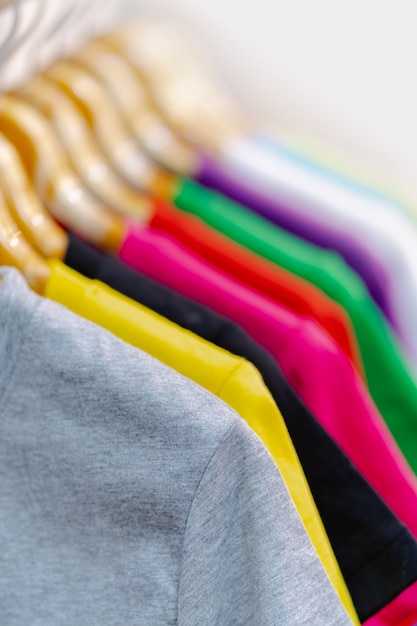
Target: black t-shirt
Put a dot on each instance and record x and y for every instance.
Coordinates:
(376, 553)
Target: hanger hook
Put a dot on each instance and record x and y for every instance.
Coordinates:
(44, 27)
(34, 22)
(15, 25)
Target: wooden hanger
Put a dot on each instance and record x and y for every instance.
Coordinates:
(131, 97)
(83, 150)
(108, 126)
(189, 99)
(59, 188)
(39, 229)
(15, 251)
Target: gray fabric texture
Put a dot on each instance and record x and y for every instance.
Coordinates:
(131, 496)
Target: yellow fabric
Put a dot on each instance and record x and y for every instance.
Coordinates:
(231, 378)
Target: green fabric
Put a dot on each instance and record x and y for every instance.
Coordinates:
(390, 382)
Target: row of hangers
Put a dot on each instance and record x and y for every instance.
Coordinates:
(86, 142)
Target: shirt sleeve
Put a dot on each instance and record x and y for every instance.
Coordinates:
(246, 556)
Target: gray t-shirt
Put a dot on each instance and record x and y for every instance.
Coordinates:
(131, 496)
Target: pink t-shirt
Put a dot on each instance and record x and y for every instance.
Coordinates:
(312, 362)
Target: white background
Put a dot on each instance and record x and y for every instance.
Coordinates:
(343, 70)
(340, 70)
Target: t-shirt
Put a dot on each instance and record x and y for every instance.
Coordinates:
(130, 495)
(364, 533)
(248, 174)
(400, 612)
(275, 283)
(377, 240)
(313, 364)
(390, 382)
(339, 166)
(231, 378)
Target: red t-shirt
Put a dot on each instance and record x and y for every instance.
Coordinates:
(265, 277)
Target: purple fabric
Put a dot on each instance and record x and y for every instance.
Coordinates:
(325, 235)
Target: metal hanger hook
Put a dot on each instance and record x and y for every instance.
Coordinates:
(14, 28)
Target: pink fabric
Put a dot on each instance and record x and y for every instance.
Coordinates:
(400, 612)
(312, 362)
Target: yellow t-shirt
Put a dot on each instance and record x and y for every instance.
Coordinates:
(231, 378)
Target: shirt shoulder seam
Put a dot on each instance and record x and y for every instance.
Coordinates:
(227, 434)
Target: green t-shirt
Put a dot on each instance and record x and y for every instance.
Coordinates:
(390, 382)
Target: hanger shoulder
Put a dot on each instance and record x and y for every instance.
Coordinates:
(185, 93)
(129, 93)
(82, 148)
(17, 252)
(38, 227)
(53, 177)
